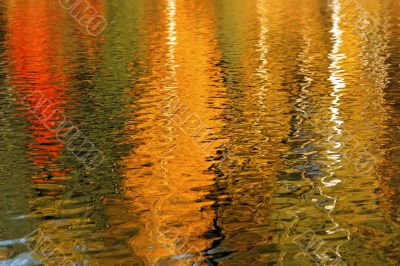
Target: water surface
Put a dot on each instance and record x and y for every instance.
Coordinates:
(229, 133)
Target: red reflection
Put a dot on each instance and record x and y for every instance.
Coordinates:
(34, 44)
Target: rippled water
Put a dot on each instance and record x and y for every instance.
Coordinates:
(200, 133)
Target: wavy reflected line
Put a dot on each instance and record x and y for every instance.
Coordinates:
(262, 69)
(338, 84)
(168, 107)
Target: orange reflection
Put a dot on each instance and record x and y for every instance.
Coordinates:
(165, 175)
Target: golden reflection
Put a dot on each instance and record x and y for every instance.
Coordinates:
(306, 161)
(255, 80)
(182, 78)
(391, 166)
(358, 115)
